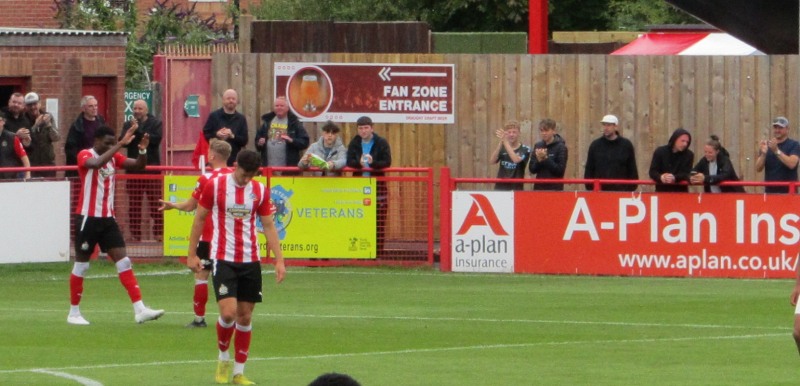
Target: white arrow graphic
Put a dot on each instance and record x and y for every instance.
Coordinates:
(386, 74)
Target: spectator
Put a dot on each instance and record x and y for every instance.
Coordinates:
(227, 124)
(778, 156)
(368, 150)
(512, 156)
(95, 212)
(235, 200)
(672, 163)
(140, 190)
(281, 137)
(81, 133)
(328, 149)
(16, 120)
(549, 159)
(218, 153)
(12, 153)
(43, 134)
(715, 167)
(611, 157)
(334, 379)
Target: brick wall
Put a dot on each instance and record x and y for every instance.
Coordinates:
(27, 14)
(58, 72)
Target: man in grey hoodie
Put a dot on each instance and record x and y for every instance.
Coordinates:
(327, 153)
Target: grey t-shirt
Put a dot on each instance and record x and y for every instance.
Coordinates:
(276, 146)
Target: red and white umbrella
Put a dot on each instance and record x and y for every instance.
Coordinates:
(687, 43)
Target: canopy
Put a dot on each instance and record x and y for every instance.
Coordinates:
(687, 43)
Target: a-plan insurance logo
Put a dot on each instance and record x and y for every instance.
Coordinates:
(483, 232)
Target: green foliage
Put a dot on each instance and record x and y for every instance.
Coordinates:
(579, 15)
(481, 15)
(166, 23)
(450, 15)
(636, 15)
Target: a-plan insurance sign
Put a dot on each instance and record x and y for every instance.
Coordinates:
(386, 92)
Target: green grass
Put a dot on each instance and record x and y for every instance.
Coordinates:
(391, 326)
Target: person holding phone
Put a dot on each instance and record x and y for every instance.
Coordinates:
(713, 168)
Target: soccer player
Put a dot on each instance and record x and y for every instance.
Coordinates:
(234, 201)
(96, 224)
(218, 154)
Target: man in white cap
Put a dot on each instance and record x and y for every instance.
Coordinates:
(778, 156)
(43, 134)
(611, 157)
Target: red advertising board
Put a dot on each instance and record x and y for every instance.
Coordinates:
(388, 93)
(697, 235)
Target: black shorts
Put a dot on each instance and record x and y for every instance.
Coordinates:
(90, 231)
(237, 280)
(203, 249)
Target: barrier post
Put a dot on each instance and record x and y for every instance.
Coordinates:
(445, 217)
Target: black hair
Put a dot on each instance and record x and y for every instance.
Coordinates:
(248, 160)
(334, 379)
(104, 131)
(330, 127)
(364, 121)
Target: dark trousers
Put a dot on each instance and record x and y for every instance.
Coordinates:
(139, 191)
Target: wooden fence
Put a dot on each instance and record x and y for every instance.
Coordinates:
(733, 97)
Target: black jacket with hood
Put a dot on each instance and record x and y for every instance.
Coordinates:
(678, 164)
(553, 166)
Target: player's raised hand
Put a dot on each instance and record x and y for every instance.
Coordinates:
(144, 142)
(128, 137)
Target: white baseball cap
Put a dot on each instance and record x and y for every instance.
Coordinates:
(31, 97)
(610, 119)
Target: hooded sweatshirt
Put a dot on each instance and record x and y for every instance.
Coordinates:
(553, 166)
(679, 164)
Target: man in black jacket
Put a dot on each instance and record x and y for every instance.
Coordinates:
(672, 163)
(228, 125)
(611, 157)
(139, 188)
(368, 150)
(81, 133)
(281, 137)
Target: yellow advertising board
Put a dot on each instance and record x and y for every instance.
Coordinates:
(326, 218)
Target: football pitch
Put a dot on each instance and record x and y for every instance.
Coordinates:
(393, 326)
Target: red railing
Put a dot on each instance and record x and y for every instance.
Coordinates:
(405, 229)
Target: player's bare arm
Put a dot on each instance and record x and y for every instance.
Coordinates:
(184, 206)
(192, 260)
(274, 244)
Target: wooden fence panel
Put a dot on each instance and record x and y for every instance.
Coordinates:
(732, 97)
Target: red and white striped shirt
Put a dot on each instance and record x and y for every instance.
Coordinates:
(198, 192)
(233, 210)
(97, 185)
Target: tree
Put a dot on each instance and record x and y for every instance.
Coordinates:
(166, 23)
(636, 15)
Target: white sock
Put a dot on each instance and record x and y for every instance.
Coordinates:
(138, 307)
(238, 368)
(74, 310)
(224, 356)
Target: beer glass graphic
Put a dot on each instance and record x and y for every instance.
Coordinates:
(309, 92)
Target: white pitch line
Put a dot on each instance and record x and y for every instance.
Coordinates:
(454, 319)
(409, 351)
(81, 380)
